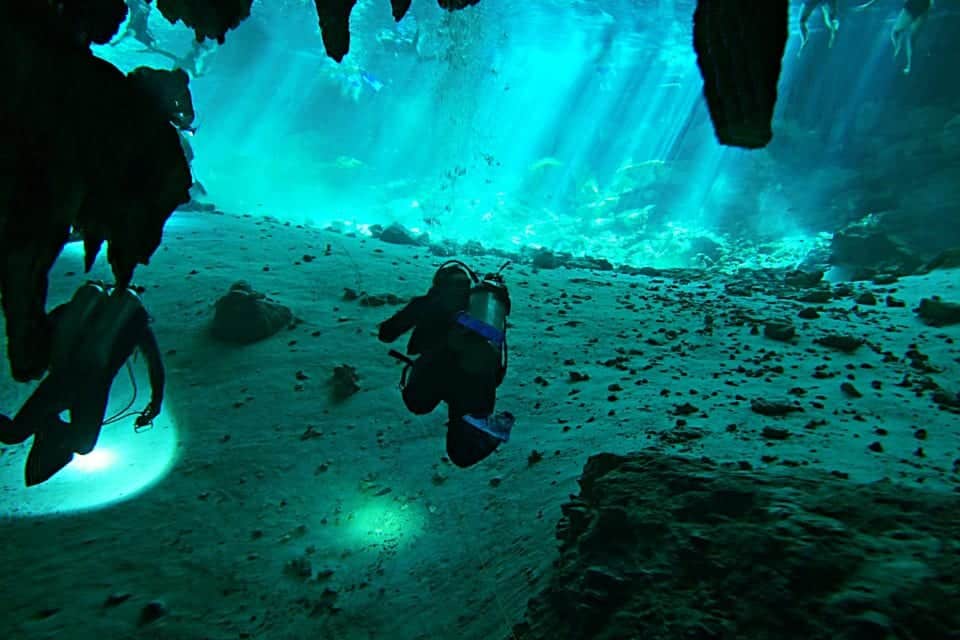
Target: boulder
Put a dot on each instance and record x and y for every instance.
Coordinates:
(244, 316)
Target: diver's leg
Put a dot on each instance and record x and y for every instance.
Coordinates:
(917, 23)
(473, 429)
(38, 413)
(908, 41)
(805, 13)
(49, 452)
(830, 19)
(901, 25)
(426, 383)
(86, 417)
(467, 445)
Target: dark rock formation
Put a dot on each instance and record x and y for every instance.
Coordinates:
(208, 19)
(949, 259)
(938, 313)
(91, 151)
(782, 331)
(343, 383)
(243, 316)
(839, 342)
(85, 147)
(869, 248)
(334, 18)
(400, 8)
(740, 45)
(398, 234)
(662, 548)
(804, 279)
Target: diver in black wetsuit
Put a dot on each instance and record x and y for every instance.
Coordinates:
(459, 334)
(911, 18)
(830, 10)
(94, 334)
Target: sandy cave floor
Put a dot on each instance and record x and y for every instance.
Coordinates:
(257, 468)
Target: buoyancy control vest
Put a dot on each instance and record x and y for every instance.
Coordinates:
(480, 337)
(89, 326)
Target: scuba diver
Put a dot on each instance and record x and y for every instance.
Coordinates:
(93, 335)
(829, 9)
(459, 334)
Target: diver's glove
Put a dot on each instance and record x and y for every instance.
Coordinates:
(147, 416)
(389, 331)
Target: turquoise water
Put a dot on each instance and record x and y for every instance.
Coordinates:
(577, 126)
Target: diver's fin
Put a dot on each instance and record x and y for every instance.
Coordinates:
(497, 425)
(11, 432)
(48, 455)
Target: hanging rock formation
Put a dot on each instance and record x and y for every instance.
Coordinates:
(85, 147)
(740, 45)
(92, 152)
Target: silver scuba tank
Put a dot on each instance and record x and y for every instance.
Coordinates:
(481, 340)
(488, 304)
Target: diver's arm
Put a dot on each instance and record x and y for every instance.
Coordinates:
(403, 320)
(151, 352)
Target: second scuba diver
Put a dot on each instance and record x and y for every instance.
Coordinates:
(94, 334)
(459, 336)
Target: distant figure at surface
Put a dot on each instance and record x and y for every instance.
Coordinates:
(138, 19)
(911, 18)
(194, 61)
(94, 334)
(459, 334)
(830, 11)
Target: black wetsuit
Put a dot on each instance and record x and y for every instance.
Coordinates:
(917, 8)
(436, 375)
(77, 387)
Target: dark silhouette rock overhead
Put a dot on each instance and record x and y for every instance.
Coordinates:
(210, 19)
(110, 166)
(334, 18)
(740, 45)
(400, 8)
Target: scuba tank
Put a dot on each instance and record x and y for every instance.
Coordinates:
(87, 332)
(481, 336)
(71, 322)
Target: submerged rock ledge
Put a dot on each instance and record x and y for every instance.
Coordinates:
(662, 547)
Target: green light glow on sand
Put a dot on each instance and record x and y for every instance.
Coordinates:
(379, 522)
(123, 465)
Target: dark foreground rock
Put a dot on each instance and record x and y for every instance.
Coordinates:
(663, 548)
(938, 313)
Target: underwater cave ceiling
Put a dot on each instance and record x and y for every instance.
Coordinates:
(90, 148)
